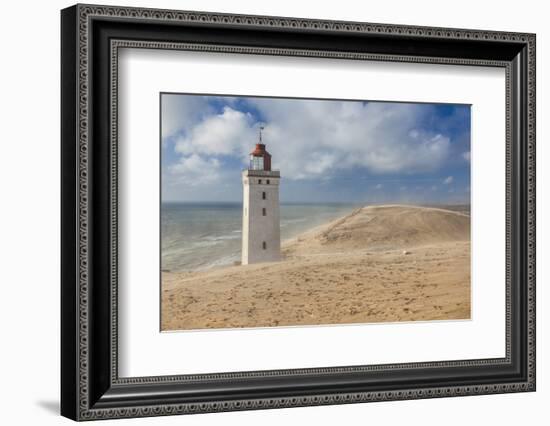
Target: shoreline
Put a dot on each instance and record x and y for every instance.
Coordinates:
(459, 208)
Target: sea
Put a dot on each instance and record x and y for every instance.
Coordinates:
(201, 236)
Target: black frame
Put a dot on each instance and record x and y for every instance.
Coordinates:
(90, 386)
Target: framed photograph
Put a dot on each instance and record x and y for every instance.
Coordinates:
(263, 212)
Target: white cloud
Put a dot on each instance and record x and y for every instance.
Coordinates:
(380, 137)
(448, 180)
(228, 133)
(195, 170)
(318, 164)
(182, 112)
(466, 156)
(316, 139)
(379, 186)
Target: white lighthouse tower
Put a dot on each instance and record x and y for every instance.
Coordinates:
(261, 224)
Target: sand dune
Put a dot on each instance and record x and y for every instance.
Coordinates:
(379, 263)
(383, 227)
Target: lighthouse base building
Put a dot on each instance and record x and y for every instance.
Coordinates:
(261, 223)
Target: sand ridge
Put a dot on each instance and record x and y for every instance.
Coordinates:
(377, 264)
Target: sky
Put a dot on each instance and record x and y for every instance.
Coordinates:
(326, 150)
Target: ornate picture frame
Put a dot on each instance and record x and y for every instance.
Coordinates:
(91, 37)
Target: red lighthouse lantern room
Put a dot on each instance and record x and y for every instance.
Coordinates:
(260, 159)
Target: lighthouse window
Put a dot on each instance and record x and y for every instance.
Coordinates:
(263, 211)
(263, 195)
(267, 181)
(256, 163)
(264, 245)
(259, 181)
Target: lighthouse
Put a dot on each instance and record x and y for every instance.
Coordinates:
(261, 224)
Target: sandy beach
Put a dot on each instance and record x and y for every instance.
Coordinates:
(377, 264)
